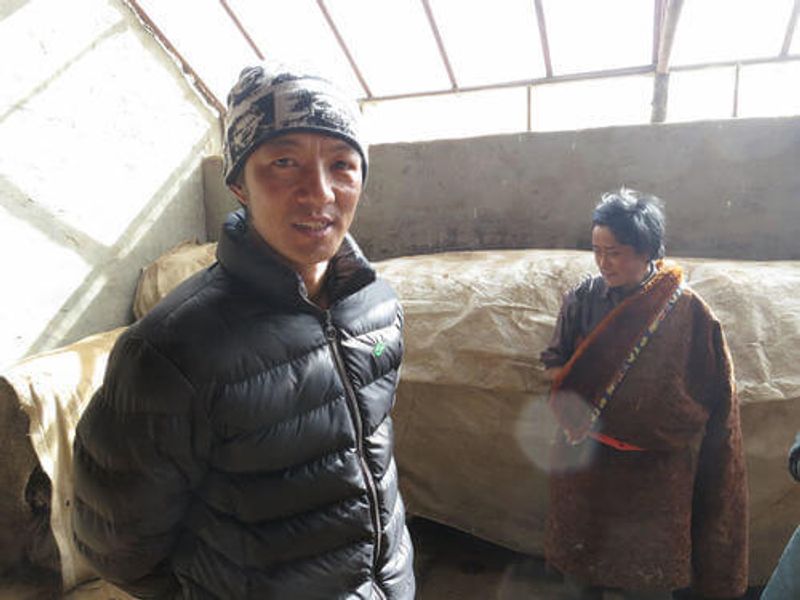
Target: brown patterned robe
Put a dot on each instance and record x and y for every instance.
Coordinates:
(674, 514)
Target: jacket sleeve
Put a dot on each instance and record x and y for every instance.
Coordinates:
(136, 462)
(720, 511)
(562, 344)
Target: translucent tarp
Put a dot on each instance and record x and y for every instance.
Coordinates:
(490, 42)
(586, 35)
(721, 30)
(394, 48)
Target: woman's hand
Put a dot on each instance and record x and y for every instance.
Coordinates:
(551, 373)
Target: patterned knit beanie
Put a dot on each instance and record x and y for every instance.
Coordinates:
(272, 99)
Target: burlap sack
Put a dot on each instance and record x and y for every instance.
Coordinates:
(161, 276)
(25, 536)
(50, 391)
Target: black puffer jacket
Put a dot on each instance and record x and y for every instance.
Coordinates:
(241, 444)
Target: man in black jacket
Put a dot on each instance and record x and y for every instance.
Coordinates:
(241, 444)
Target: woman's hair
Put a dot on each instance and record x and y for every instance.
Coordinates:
(635, 219)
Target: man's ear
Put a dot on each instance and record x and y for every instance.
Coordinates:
(240, 192)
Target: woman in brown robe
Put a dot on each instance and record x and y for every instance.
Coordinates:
(648, 484)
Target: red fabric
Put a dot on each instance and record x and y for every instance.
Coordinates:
(614, 442)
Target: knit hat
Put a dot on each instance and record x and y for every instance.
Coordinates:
(273, 99)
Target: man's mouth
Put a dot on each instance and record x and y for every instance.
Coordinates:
(315, 225)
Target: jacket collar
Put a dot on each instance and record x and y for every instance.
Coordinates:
(246, 256)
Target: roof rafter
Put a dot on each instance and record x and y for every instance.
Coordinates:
(659, 7)
(343, 46)
(732, 63)
(241, 28)
(548, 64)
(669, 25)
(440, 44)
(667, 13)
(787, 39)
(588, 75)
(643, 69)
(162, 39)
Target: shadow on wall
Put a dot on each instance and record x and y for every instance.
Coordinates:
(219, 201)
(9, 7)
(99, 168)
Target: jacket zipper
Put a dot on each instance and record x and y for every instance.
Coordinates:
(333, 342)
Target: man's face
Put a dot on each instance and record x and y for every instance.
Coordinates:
(619, 264)
(302, 190)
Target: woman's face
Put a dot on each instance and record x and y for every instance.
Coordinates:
(619, 264)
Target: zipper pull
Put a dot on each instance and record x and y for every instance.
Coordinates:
(330, 330)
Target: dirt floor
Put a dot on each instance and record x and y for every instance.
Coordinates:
(450, 565)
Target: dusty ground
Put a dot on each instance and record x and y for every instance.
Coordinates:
(450, 565)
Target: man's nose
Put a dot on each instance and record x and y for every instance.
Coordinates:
(317, 184)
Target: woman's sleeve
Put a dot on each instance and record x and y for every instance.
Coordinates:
(136, 462)
(562, 344)
(720, 511)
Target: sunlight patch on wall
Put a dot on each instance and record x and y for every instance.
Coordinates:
(99, 135)
(37, 270)
(35, 43)
(109, 131)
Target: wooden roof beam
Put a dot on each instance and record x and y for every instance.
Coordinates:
(787, 39)
(548, 64)
(343, 46)
(639, 70)
(667, 14)
(659, 7)
(667, 34)
(241, 28)
(440, 44)
(187, 69)
(589, 75)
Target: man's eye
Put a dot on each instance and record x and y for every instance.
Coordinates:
(344, 165)
(282, 162)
